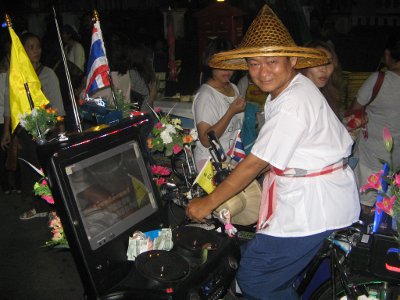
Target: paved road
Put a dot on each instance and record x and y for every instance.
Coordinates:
(29, 271)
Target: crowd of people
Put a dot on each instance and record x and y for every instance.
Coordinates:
(300, 149)
(132, 74)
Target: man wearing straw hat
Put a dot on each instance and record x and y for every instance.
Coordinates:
(308, 190)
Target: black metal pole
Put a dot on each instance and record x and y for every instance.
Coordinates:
(31, 104)
(70, 88)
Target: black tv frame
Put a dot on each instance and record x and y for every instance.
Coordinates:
(102, 268)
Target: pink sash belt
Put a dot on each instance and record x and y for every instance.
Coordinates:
(268, 198)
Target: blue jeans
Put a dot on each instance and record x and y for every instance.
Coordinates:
(270, 265)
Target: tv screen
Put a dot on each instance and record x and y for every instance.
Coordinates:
(112, 191)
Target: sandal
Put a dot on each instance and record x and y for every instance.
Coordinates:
(30, 214)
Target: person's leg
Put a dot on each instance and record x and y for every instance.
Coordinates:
(3, 170)
(270, 265)
(29, 176)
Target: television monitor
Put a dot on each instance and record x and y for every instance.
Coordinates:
(111, 192)
(103, 191)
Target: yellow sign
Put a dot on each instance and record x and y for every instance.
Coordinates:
(205, 178)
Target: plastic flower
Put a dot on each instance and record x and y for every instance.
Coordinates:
(160, 174)
(176, 149)
(387, 138)
(57, 230)
(374, 182)
(160, 170)
(167, 135)
(39, 120)
(160, 181)
(149, 143)
(396, 180)
(386, 205)
(187, 139)
(390, 203)
(41, 188)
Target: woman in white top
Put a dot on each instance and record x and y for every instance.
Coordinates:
(382, 112)
(217, 105)
(73, 49)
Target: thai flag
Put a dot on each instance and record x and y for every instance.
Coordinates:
(97, 73)
(237, 151)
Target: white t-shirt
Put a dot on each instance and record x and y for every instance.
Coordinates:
(210, 106)
(76, 55)
(301, 131)
(382, 112)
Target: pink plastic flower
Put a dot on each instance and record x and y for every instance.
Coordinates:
(374, 182)
(397, 180)
(157, 109)
(386, 205)
(387, 138)
(44, 182)
(160, 181)
(48, 198)
(159, 125)
(176, 149)
(57, 236)
(159, 170)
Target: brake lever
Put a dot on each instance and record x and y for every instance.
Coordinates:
(216, 146)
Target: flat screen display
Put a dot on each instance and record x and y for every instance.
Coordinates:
(113, 192)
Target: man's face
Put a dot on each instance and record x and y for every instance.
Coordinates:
(272, 74)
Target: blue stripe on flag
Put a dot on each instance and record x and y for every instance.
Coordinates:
(96, 51)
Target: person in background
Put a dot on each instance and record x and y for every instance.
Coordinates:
(382, 112)
(142, 77)
(328, 78)
(8, 158)
(74, 51)
(308, 190)
(51, 89)
(217, 105)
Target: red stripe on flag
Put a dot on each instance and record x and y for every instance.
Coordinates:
(101, 70)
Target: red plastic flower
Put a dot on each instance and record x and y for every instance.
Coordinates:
(386, 205)
(374, 182)
(176, 149)
(396, 180)
(159, 125)
(160, 170)
(48, 198)
(160, 181)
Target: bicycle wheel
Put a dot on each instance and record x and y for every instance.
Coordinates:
(377, 289)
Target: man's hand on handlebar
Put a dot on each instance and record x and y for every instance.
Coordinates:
(198, 209)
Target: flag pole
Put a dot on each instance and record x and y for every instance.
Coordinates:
(70, 88)
(28, 92)
(97, 19)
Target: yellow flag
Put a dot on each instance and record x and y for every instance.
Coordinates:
(205, 177)
(21, 72)
(140, 190)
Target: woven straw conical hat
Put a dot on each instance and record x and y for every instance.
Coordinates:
(267, 36)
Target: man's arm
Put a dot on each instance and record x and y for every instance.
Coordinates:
(238, 180)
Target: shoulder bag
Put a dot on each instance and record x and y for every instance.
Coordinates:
(356, 120)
